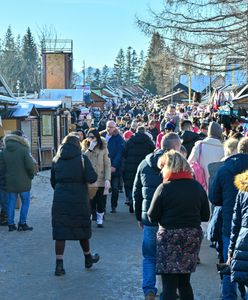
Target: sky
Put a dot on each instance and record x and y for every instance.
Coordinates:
(98, 28)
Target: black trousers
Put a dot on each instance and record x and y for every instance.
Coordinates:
(173, 282)
(115, 180)
(98, 203)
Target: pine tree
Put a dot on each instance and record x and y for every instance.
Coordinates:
(30, 70)
(147, 78)
(97, 79)
(119, 68)
(105, 75)
(141, 62)
(90, 75)
(9, 65)
(134, 67)
(128, 73)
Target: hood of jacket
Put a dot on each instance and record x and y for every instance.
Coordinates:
(68, 151)
(12, 142)
(189, 136)
(236, 163)
(241, 182)
(139, 138)
(152, 159)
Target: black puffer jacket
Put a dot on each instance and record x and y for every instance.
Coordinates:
(70, 209)
(136, 149)
(147, 179)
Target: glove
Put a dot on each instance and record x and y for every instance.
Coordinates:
(107, 184)
(92, 145)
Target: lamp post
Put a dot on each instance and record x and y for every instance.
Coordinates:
(210, 75)
(18, 88)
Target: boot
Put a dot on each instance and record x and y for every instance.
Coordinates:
(12, 227)
(59, 271)
(3, 219)
(91, 259)
(99, 219)
(24, 227)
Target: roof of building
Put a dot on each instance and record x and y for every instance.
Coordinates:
(44, 103)
(22, 110)
(198, 82)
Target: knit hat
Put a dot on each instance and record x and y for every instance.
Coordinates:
(215, 131)
(127, 134)
(169, 126)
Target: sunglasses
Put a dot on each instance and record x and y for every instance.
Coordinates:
(91, 137)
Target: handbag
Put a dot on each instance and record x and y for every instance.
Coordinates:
(198, 170)
(91, 187)
(223, 269)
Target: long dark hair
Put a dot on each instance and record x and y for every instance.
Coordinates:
(96, 134)
(72, 139)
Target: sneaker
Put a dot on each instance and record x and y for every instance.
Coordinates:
(24, 227)
(150, 296)
(91, 259)
(113, 211)
(12, 227)
(99, 225)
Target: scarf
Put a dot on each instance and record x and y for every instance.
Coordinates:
(180, 175)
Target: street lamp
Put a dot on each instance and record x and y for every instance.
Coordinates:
(210, 75)
(18, 87)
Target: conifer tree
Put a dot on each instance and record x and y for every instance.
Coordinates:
(97, 79)
(134, 67)
(119, 68)
(147, 78)
(128, 73)
(105, 75)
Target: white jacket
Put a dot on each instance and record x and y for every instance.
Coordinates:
(212, 151)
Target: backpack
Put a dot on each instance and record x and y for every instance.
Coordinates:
(199, 172)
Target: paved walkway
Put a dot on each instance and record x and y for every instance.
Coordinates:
(27, 259)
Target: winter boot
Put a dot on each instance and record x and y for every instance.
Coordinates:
(91, 259)
(12, 227)
(99, 219)
(24, 227)
(3, 219)
(59, 271)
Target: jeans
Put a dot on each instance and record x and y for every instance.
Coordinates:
(97, 203)
(149, 259)
(25, 198)
(115, 180)
(3, 202)
(229, 289)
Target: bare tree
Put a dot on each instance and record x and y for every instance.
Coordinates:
(196, 30)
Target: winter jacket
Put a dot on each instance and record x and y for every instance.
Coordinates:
(147, 179)
(115, 148)
(136, 149)
(18, 163)
(179, 203)
(100, 161)
(70, 210)
(223, 192)
(212, 150)
(189, 138)
(239, 235)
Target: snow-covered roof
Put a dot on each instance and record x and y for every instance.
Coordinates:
(44, 103)
(198, 82)
(59, 94)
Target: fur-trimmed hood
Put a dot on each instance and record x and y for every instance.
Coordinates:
(13, 141)
(241, 181)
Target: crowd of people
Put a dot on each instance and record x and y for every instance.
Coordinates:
(179, 165)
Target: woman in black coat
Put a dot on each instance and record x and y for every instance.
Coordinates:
(178, 205)
(70, 174)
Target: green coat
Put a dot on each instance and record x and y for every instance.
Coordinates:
(17, 163)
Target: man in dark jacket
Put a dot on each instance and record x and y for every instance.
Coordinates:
(19, 171)
(223, 193)
(115, 148)
(188, 136)
(136, 149)
(147, 179)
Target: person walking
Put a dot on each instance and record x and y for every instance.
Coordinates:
(95, 148)
(19, 168)
(147, 179)
(238, 247)
(115, 147)
(70, 208)
(223, 192)
(136, 149)
(179, 205)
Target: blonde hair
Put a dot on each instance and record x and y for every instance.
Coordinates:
(230, 146)
(173, 162)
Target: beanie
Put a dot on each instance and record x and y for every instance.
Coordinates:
(127, 134)
(215, 131)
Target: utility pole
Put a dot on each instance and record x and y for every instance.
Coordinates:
(83, 73)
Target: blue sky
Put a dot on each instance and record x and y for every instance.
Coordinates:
(98, 28)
